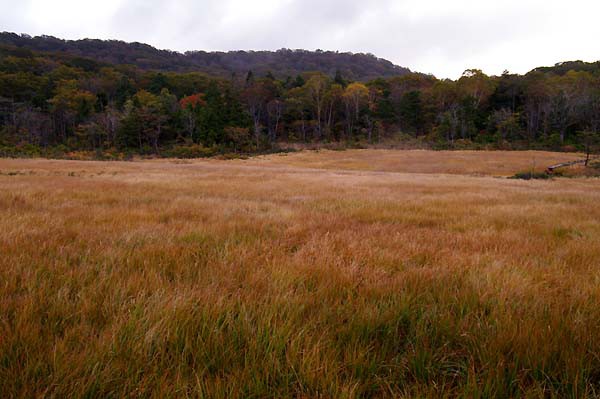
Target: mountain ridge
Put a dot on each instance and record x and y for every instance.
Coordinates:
(281, 63)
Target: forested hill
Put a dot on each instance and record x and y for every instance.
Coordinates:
(281, 63)
(563, 68)
(55, 101)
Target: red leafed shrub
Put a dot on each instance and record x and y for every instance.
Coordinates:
(193, 101)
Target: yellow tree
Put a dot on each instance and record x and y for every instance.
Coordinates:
(70, 106)
(333, 97)
(316, 89)
(355, 98)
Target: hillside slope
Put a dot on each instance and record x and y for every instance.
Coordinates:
(281, 63)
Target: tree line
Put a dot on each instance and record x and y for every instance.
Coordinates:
(50, 100)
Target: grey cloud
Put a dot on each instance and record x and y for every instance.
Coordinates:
(439, 40)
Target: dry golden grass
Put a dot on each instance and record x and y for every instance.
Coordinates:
(497, 163)
(259, 278)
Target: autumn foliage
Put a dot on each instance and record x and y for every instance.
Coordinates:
(194, 101)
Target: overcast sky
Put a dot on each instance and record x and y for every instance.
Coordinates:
(443, 37)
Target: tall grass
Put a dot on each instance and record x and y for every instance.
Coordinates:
(243, 279)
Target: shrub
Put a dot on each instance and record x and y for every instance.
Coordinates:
(531, 175)
(233, 155)
(568, 148)
(190, 151)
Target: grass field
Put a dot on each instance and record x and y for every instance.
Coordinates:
(496, 163)
(331, 274)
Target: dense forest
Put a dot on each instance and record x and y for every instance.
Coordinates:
(281, 63)
(53, 100)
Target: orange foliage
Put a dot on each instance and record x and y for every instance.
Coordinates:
(192, 101)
